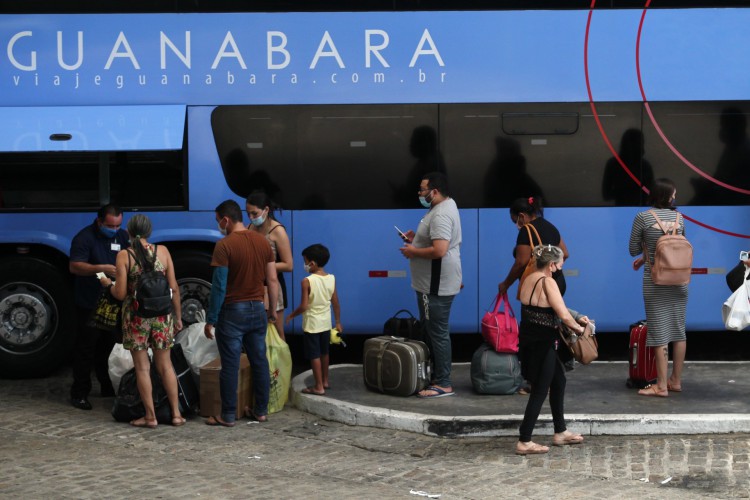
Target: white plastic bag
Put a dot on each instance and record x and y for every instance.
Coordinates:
(120, 362)
(197, 348)
(736, 310)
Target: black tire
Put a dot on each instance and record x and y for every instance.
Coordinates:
(37, 317)
(193, 272)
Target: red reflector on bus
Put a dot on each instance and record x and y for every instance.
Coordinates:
(699, 270)
(378, 274)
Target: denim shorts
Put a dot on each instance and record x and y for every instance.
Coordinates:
(316, 344)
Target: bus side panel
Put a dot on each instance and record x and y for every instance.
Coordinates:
(372, 277)
(600, 278)
(208, 187)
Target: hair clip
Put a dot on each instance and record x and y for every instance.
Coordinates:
(531, 200)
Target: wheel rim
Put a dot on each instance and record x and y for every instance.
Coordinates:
(28, 318)
(194, 294)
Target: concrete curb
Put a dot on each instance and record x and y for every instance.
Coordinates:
(507, 425)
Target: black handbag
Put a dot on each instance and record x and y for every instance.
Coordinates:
(736, 276)
(408, 327)
(107, 315)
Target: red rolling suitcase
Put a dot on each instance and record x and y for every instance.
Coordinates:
(641, 359)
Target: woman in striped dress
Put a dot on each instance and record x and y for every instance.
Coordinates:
(665, 304)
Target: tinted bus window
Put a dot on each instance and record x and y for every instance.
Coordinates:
(334, 157)
(552, 149)
(713, 137)
(80, 180)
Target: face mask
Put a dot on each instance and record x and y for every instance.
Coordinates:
(425, 202)
(108, 232)
(307, 268)
(259, 221)
(222, 230)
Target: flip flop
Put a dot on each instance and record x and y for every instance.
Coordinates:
(439, 393)
(142, 422)
(652, 390)
(310, 390)
(533, 449)
(216, 421)
(178, 421)
(673, 388)
(256, 418)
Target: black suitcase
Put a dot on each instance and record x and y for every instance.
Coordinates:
(395, 365)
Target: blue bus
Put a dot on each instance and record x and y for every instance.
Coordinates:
(337, 115)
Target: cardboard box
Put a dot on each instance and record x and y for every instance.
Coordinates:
(211, 397)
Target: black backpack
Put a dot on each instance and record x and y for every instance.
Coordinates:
(153, 296)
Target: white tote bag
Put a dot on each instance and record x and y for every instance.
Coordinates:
(736, 310)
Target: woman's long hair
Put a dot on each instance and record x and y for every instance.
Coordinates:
(139, 227)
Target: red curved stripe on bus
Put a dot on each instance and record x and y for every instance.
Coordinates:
(648, 109)
(656, 124)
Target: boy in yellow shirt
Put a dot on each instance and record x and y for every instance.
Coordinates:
(318, 295)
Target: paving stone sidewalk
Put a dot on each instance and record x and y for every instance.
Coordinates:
(49, 449)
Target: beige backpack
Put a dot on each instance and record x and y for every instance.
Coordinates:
(673, 257)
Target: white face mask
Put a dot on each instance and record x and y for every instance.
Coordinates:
(222, 230)
(307, 268)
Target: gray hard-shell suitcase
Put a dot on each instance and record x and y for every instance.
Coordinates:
(495, 372)
(395, 365)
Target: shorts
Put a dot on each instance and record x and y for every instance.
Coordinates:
(316, 344)
(141, 333)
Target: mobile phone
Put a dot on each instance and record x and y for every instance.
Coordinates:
(401, 233)
(100, 275)
(744, 255)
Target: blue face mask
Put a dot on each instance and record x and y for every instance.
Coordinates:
(259, 221)
(425, 202)
(108, 232)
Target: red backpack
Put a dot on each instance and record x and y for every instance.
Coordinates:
(673, 257)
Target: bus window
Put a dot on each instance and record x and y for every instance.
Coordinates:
(334, 157)
(81, 180)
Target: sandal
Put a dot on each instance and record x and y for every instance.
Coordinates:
(531, 449)
(252, 416)
(178, 421)
(142, 422)
(652, 390)
(673, 388)
(216, 421)
(567, 438)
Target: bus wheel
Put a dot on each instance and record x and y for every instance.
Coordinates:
(193, 272)
(37, 316)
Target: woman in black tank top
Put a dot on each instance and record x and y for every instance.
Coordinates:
(542, 311)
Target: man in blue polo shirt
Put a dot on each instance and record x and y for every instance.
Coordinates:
(93, 250)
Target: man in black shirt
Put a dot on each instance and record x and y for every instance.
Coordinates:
(93, 250)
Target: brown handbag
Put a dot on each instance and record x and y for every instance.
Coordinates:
(531, 266)
(583, 347)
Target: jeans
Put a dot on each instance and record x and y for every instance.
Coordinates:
(434, 311)
(242, 324)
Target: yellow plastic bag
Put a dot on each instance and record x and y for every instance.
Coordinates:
(280, 365)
